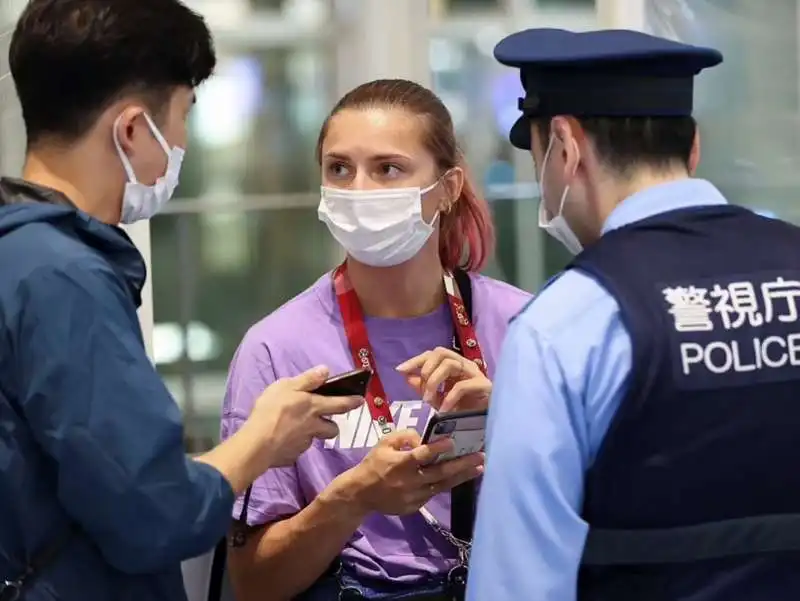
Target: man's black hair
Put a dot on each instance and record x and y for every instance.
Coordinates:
(71, 59)
(626, 143)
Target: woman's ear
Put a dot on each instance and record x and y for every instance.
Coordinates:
(453, 184)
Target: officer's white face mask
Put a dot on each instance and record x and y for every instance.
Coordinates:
(141, 201)
(382, 227)
(556, 226)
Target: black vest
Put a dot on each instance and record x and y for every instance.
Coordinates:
(695, 492)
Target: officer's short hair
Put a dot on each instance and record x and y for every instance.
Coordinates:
(71, 59)
(624, 144)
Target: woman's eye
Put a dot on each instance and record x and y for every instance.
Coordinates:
(338, 169)
(389, 170)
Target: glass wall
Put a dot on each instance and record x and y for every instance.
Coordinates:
(747, 107)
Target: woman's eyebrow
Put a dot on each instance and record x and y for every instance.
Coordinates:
(383, 156)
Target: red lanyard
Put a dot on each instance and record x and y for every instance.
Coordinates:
(464, 341)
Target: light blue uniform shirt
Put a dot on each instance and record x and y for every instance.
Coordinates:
(561, 377)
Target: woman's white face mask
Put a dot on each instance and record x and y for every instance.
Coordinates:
(382, 227)
(556, 226)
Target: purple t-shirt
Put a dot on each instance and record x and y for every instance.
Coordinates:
(306, 332)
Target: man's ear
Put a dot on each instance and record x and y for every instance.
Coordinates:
(567, 133)
(694, 155)
(126, 127)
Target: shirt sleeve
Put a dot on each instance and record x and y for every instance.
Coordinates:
(561, 377)
(276, 494)
(100, 411)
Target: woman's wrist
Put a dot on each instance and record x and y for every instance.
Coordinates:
(346, 495)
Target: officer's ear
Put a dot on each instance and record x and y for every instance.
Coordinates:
(569, 135)
(694, 155)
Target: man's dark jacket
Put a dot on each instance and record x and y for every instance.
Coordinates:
(91, 443)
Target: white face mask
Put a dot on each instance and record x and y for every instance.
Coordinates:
(382, 227)
(141, 201)
(557, 227)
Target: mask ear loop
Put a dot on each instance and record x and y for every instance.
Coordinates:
(126, 162)
(546, 158)
(423, 192)
(450, 206)
(157, 134)
(566, 188)
(543, 217)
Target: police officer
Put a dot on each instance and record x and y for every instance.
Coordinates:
(643, 436)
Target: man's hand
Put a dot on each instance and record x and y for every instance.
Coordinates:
(289, 417)
(398, 477)
(447, 381)
(285, 419)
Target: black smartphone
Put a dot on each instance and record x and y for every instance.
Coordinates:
(352, 383)
(467, 430)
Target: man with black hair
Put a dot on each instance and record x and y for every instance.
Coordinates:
(98, 501)
(643, 428)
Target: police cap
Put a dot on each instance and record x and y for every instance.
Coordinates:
(609, 73)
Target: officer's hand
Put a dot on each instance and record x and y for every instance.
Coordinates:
(447, 380)
(397, 477)
(290, 417)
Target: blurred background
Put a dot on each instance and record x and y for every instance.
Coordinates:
(242, 237)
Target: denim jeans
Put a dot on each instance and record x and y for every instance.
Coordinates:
(343, 586)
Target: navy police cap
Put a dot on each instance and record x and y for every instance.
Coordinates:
(609, 73)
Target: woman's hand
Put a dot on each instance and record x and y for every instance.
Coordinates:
(399, 475)
(447, 380)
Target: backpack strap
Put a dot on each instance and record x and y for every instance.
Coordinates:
(464, 284)
(463, 496)
(218, 566)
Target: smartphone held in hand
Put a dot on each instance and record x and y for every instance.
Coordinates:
(352, 383)
(467, 430)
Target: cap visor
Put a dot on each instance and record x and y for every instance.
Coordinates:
(520, 135)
